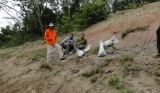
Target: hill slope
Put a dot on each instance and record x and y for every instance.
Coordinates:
(130, 68)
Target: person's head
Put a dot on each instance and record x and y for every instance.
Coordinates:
(51, 26)
(82, 35)
(71, 35)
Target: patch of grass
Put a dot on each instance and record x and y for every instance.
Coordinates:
(129, 30)
(127, 64)
(56, 73)
(157, 71)
(126, 58)
(45, 66)
(95, 50)
(125, 91)
(77, 59)
(113, 81)
(116, 83)
(93, 78)
(92, 72)
(5, 55)
(106, 62)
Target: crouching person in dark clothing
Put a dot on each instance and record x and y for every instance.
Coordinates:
(68, 44)
(158, 42)
(81, 42)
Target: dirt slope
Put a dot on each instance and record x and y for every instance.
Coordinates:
(146, 15)
(22, 68)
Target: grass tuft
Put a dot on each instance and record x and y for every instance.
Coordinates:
(45, 66)
(129, 30)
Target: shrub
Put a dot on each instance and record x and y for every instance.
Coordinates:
(132, 5)
(113, 81)
(88, 14)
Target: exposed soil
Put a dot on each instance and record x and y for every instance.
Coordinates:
(21, 67)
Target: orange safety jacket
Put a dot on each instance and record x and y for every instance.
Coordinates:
(51, 36)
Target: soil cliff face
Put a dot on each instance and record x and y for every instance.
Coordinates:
(127, 68)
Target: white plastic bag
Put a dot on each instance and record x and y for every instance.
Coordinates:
(108, 42)
(80, 52)
(111, 41)
(87, 48)
(115, 39)
(101, 51)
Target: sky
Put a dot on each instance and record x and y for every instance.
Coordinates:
(3, 21)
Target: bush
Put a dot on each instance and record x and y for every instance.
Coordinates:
(132, 5)
(88, 14)
(113, 81)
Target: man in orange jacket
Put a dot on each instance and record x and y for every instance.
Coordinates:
(51, 41)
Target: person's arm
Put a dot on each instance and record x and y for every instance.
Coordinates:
(46, 36)
(76, 42)
(64, 40)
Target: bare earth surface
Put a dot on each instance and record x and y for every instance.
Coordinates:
(21, 68)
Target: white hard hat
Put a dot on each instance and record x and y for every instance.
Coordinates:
(51, 24)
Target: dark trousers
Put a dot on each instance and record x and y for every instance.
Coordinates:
(158, 39)
(68, 48)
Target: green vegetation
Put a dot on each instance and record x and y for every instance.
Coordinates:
(129, 30)
(125, 58)
(116, 83)
(157, 71)
(45, 66)
(95, 50)
(56, 73)
(34, 55)
(92, 72)
(93, 78)
(6, 55)
(106, 62)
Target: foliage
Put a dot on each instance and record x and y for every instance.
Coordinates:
(119, 5)
(66, 25)
(132, 5)
(88, 14)
(113, 81)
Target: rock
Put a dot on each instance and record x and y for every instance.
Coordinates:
(75, 70)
